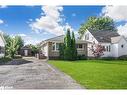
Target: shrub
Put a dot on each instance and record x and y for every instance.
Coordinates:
(81, 57)
(124, 57)
(4, 60)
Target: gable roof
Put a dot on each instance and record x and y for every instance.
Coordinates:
(117, 39)
(103, 36)
(61, 40)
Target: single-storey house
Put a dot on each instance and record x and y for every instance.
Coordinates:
(115, 45)
(2, 45)
(26, 51)
(50, 47)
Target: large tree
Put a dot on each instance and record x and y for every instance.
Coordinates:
(67, 50)
(73, 46)
(20, 43)
(97, 24)
(13, 47)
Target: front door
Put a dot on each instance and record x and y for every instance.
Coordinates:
(26, 52)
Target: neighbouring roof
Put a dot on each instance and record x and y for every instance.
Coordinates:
(104, 36)
(26, 47)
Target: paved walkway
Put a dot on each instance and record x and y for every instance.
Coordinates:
(35, 74)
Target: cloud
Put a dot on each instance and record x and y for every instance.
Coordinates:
(3, 6)
(50, 21)
(1, 21)
(117, 13)
(22, 35)
(122, 29)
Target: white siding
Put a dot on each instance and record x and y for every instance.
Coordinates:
(107, 53)
(45, 49)
(2, 44)
(122, 51)
(91, 37)
(114, 50)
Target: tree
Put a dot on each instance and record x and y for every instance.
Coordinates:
(97, 50)
(13, 47)
(97, 24)
(73, 45)
(67, 50)
(20, 43)
(7, 39)
(34, 49)
(61, 50)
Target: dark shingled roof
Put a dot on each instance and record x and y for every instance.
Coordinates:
(104, 36)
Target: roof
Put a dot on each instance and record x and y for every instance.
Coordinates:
(104, 36)
(26, 47)
(61, 40)
(116, 39)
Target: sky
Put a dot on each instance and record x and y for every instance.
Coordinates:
(37, 23)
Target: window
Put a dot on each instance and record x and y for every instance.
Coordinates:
(87, 37)
(57, 46)
(109, 48)
(1, 49)
(121, 46)
(79, 46)
(53, 46)
(106, 48)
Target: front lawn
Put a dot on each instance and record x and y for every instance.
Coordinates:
(96, 74)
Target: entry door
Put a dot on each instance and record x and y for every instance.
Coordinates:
(26, 52)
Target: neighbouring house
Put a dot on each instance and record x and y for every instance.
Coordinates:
(26, 51)
(2, 45)
(50, 47)
(115, 45)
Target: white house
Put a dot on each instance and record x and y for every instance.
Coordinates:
(114, 44)
(2, 45)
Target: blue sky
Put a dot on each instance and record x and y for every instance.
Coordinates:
(37, 23)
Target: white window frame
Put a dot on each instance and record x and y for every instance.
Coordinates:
(77, 46)
(55, 46)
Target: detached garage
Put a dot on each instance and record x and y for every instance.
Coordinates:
(26, 51)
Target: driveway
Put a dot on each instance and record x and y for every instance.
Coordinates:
(34, 74)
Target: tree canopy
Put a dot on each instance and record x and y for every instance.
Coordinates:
(97, 24)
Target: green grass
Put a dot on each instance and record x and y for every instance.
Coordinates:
(96, 74)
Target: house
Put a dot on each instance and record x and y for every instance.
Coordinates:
(115, 45)
(2, 45)
(50, 47)
(26, 51)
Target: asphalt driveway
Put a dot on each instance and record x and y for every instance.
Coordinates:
(34, 74)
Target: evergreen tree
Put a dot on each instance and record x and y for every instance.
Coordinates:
(67, 50)
(73, 45)
(61, 50)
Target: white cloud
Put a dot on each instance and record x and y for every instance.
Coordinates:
(122, 30)
(50, 21)
(1, 21)
(3, 6)
(117, 13)
(22, 35)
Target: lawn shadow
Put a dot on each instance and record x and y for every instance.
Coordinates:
(17, 62)
(117, 62)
